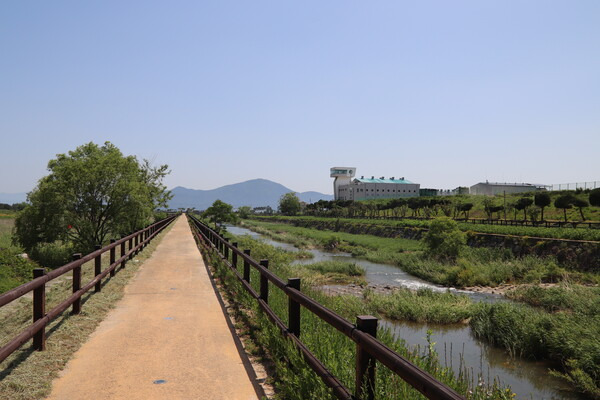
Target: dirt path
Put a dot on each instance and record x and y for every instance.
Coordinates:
(166, 339)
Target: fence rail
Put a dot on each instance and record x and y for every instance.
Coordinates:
(363, 333)
(41, 317)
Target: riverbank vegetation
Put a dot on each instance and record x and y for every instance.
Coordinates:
(559, 324)
(460, 266)
(294, 379)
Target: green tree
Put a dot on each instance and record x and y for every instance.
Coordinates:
(91, 192)
(244, 212)
(444, 240)
(542, 200)
(219, 213)
(581, 204)
(289, 204)
(522, 205)
(564, 202)
(595, 197)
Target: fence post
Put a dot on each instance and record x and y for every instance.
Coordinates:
(365, 363)
(234, 255)
(123, 252)
(136, 242)
(294, 309)
(247, 267)
(112, 258)
(39, 310)
(76, 284)
(226, 249)
(130, 247)
(264, 282)
(98, 268)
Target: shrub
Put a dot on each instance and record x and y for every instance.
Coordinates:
(51, 255)
(444, 240)
(14, 269)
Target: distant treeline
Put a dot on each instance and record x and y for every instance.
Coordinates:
(14, 207)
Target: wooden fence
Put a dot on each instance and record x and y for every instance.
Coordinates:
(368, 348)
(37, 330)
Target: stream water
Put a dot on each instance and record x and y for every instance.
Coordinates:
(455, 344)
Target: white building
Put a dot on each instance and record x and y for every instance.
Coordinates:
(346, 188)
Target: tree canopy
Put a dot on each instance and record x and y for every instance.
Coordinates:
(289, 204)
(219, 213)
(91, 192)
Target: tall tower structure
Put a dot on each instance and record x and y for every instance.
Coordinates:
(343, 176)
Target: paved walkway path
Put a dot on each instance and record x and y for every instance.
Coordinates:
(168, 327)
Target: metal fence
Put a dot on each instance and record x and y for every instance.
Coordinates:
(575, 186)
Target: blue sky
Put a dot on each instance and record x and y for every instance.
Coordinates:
(442, 93)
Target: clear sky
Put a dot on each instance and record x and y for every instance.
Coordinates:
(444, 93)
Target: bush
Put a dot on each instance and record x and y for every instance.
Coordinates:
(14, 269)
(51, 255)
(444, 240)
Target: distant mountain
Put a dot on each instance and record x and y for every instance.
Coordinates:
(253, 193)
(12, 198)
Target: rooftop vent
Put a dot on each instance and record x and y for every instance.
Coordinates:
(383, 177)
(372, 177)
(402, 178)
(362, 177)
(392, 178)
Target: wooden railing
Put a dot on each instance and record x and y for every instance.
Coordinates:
(363, 333)
(41, 318)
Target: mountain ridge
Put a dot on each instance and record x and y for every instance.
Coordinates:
(254, 193)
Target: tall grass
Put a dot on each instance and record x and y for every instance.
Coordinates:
(483, 267)
(568, 339)
(423, 305)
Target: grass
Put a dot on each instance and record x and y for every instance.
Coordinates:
(28, 374)
(6, 226)
(423, 305)
(331, 272)
(294, 379)
(369, 247)
(569, 339)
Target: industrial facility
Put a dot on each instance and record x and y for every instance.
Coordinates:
(347, 188)
(494, 188)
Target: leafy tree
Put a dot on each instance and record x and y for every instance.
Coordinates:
(244, 212)
(219, 213)
(444, 240)
(289, 204)
(523, 204)
(91, 192)
(595, 197)
(542, 200)
(564, 202)
(465, 208)
(581, 204)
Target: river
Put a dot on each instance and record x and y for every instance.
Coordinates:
(455, 344)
